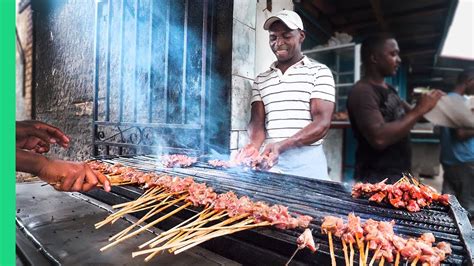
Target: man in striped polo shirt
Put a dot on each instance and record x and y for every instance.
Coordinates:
(292, 103)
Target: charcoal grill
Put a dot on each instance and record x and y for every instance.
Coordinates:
(304, 196)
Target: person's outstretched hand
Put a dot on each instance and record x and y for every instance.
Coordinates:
(428, 101)
(38, 136)
(72, 176)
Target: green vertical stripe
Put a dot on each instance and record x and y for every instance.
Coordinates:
(7, 120)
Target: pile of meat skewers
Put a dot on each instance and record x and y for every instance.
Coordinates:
(177, 160)
(379, 238)
(248, 157)
(406, 194)
(165, 191)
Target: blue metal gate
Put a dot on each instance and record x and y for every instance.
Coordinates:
(159, 76)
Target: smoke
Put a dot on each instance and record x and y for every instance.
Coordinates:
(154, 58)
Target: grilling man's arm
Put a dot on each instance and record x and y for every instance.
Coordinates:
(256, 128)
(321, 112)
(464, 133)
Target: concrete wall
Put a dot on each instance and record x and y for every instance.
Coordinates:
(243, 69)
(64, 68)
(333, 149)
(24, 63)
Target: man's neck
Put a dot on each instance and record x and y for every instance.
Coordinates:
(283, 66)
(375, 78)
(459, 89)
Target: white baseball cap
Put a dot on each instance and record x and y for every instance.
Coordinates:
(291, 19)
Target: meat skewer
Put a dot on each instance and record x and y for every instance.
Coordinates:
(406, 193)
(177, 160)
(304, 240)
(329, 226)
(344, 248)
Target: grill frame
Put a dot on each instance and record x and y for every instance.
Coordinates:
(447, 223)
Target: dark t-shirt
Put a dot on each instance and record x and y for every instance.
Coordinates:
(367, 105)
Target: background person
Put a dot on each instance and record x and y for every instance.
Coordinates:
(380, 119)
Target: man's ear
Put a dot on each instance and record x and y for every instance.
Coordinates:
(302, 36)
(373, 58)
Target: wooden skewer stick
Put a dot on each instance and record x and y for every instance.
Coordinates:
(360, 244)
(117, 215)
(331, 249)
(136, 232)
(176, 234)
(129, 228)
(351, 262)
(397, 259)
(346, 256)
(177, 231)
(209, 236)
(133, 206)
(194, 235)
(202, 219)
(382, 261)
(373, 257)
(415, 261)
(148, 215)
(226, 232)
(246, 225)
(128, 209)
(298, 248)
(177, 226)
(145, 196)
(138, 208)
(366, 254)
(141, 200)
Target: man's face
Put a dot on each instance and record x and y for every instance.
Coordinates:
(470, 86)
(285, 43)
(387, 58)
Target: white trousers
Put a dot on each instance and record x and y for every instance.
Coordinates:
(308, 161)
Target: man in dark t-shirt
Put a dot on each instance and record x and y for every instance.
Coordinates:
(381, 121)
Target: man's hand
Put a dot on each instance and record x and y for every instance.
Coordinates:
(428, 101)
(248, 151)
(272, 151)
(72, 176)
(38, 136)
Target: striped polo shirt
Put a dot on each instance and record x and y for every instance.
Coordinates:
(286, 97)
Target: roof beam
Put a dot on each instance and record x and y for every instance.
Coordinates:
(414, 36)
(326, 6)
(417, 52)
(379, 14)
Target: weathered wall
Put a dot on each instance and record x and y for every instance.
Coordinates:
(243, 69)
(24, 63)
(64, 66)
